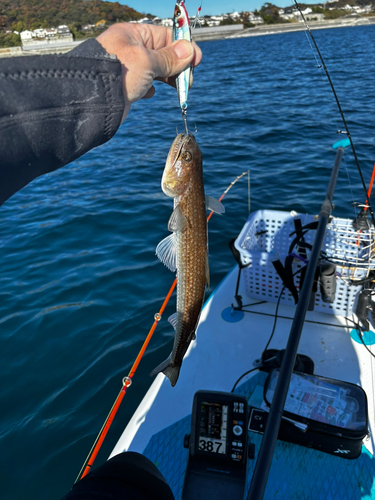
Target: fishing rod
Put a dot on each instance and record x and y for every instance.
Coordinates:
(347, 132)
(264, 461)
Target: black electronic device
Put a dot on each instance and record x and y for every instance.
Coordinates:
(218, 448)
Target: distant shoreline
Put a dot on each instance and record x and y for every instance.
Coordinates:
(274, 29)
(208, 34)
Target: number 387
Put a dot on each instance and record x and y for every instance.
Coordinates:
(210, 446)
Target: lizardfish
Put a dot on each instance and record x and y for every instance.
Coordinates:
(185, 250)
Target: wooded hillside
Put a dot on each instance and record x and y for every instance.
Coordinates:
(22, 15)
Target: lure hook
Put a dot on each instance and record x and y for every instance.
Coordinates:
(184, 116)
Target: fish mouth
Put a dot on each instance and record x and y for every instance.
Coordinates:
(176, 147)
(175, 176)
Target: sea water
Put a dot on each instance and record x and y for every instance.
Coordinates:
(79, 280)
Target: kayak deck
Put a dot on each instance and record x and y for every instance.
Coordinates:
(338, 478)
(228, 344)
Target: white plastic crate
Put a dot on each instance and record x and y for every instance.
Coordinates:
(266, 237)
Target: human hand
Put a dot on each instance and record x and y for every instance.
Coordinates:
(146, 53)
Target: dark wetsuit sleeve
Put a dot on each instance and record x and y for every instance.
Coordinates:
(53, 109)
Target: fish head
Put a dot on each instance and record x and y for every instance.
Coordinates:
(183, 160)
(180, 17)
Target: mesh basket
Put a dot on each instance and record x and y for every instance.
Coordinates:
(266, 237)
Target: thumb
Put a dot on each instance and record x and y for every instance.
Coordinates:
(173, 59)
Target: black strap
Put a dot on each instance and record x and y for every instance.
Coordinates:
(300, 234)
(306, 227)
(286, 275)
(289, 283)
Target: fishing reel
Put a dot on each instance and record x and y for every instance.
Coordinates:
(361, 222)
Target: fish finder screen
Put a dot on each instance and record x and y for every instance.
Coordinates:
(213, 427)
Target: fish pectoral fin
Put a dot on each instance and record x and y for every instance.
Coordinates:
(214, 205)
(173, 320)
(166, 251)
(177, 221)
(169, 369)
(207, 272)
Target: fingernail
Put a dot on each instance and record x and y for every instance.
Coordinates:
(183, 49)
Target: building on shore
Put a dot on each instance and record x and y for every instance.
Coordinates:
(48, 36)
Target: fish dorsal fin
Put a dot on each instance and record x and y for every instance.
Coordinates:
(214, 205)
(173, 320)
(177, 221)
(167, 252)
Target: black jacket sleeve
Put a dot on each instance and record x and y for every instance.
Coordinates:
(55, 108)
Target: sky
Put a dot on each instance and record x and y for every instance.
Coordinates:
(165, 8)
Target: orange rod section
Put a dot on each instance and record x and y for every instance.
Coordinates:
(370, 186)
(148, 338)
(104, 432)
(368, 198)
(121, 395)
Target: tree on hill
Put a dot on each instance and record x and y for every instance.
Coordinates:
(270, 14)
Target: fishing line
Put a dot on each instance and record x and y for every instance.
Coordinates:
(244, 375)
(350, 187)
(276, 316)
(322, 76)
(248, 189)
(347, 132)
(322, 323)
(312, 50)
(228, 188)
(255, 304)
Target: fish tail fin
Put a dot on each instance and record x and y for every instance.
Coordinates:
(169, 369)
(172, 372)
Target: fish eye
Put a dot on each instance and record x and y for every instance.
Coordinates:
(177, 13)
(186, 156)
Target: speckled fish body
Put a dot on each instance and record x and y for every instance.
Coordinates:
(185, 250)
(181, 31)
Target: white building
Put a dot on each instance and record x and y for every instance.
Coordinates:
(234, 15)
(144, 20)
(26, 35)
(39, 33)
(315, 16)
(307, 13)
(255, 19)
(63, 31)
(51, 32)
(213, 20)
(167, 22)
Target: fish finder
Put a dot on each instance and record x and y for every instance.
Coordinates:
(218, 448)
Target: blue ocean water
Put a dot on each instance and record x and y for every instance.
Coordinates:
(79, 280)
